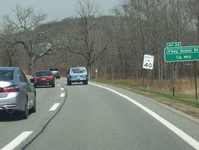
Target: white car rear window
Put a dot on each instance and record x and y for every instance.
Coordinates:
(78, 70)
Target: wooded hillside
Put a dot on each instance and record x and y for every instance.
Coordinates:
(114, 45)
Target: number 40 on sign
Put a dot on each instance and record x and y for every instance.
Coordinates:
(148, 62)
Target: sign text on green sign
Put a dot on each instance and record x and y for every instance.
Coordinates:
(174, 44)
(183, 53)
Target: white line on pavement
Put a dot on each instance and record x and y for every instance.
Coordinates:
(62, 95)
(191, 141)
(14, 143)
(58, 85)
(62, 88)
(54, 107)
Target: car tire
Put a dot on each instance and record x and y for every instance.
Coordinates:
(85, 82)
(68, 82)
(53, 85)
(25, 113)
(35, 85)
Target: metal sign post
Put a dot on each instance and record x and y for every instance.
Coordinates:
(196, 80)
(96, 73)
(174, 77)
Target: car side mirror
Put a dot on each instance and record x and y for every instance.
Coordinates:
(32, 80)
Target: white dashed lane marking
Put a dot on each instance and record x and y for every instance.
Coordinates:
(62, 95)
(14, 143)
(54, 107)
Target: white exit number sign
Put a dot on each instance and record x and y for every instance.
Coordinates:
(148, 62)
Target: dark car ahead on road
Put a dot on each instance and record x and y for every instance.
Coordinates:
(44, 77)
(16, 92)
(77, 74)
(55, 72)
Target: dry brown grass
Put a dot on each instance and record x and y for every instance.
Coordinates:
(182, 86)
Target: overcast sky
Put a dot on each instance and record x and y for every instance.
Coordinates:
(56, 9)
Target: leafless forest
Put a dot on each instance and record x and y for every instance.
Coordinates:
(114, 44)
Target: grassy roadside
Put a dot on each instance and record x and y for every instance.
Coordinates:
(183, 102)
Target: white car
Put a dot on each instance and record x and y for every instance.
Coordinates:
(77, 74)
(16, 92)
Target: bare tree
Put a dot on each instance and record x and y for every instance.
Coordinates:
(193, 6)
(8, 45)
(86, 40)
(25, 23)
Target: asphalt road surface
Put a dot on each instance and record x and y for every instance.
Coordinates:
(98, 117)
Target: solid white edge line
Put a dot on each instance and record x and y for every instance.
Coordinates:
(19, 139)
(62, 95)
(54, 107)
(191, 141)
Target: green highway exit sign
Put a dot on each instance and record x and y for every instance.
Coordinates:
(174, 44)
(182, 53)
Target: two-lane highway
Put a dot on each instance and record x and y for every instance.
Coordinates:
(98, 117)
